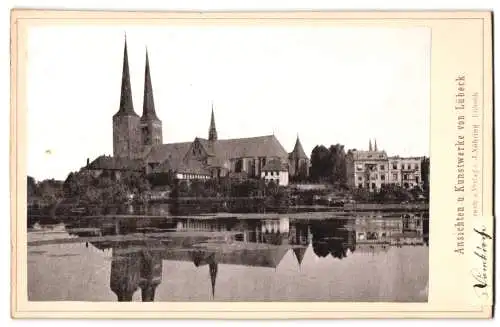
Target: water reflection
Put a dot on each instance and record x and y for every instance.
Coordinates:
(139, 247)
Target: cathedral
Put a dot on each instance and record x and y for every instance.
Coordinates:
(138, 145)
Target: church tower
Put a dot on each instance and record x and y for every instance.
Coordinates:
(212, 131)
(298, 161)
(151, 126)
(126, 138)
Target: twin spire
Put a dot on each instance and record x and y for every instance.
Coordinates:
(126, 103)
(370, 148)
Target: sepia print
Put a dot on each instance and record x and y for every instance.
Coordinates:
(227, 162)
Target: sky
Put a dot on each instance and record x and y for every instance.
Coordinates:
(327, 84)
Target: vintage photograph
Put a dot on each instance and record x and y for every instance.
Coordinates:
(228, 163)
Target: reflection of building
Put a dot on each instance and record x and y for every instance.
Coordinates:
(141, 138)
(373, 168)
(406, 229)
(142, 245)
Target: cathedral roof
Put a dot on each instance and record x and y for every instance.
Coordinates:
(169, 151)
(260, 146)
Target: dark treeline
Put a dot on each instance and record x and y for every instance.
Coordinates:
(328, 165)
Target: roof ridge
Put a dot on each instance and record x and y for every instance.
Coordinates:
(245, 138)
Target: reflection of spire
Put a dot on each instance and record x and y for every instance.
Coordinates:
(299, 254)
(213, 275)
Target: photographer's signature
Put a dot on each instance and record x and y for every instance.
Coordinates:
(481, 274)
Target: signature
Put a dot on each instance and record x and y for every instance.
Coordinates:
(480, 275)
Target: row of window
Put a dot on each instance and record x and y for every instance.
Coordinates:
(403, 166)
(394, 177)
(272, 173)
(373, 185)
(394, 167)
(194, 176)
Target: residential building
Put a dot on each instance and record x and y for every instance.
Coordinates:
(373, 168)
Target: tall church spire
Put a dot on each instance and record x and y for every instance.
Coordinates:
(212, 131)
(376, 149)
(148, 107)
(126, 103)
(370, 145)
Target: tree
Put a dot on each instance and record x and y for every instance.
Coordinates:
(31, 184)
(338, 165)
(321, 166)
(425, 172)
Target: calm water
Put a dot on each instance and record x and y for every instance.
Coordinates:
(228, 259)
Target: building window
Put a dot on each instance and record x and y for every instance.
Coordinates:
(360, 185)
(360, 178)
(373, 186)
(395, 166)
(416, 166)
(382, 167)
(382, 177)
(405, 177)
(394, 176)
(238, 166)
(416, 179)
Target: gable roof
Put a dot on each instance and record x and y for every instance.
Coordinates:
(260, 146)
(169, 151)
(115, 163)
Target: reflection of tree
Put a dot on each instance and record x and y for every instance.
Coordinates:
(330, 237)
